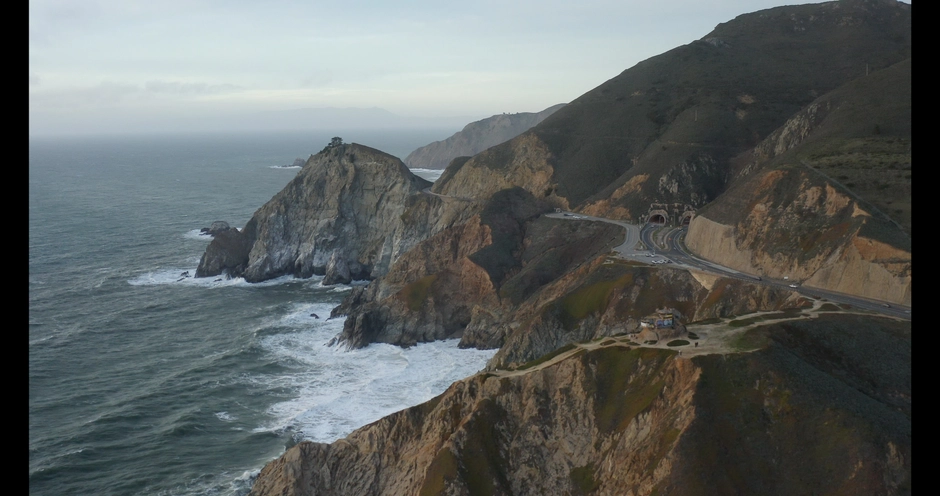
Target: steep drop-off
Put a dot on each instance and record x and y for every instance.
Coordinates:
(471, 275)
(354, 204)
(812, 413)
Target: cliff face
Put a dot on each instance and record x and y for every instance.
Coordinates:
(510, 435)
(616, 420)
(858, 265)
(806, 205)
(524, 162)
(357, 202)
(471, 275)
(476, 137)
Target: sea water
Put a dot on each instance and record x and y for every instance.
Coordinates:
(145, 380)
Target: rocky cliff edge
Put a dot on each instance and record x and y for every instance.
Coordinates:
(350, 203)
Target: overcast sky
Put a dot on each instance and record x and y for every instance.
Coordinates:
(104, 66)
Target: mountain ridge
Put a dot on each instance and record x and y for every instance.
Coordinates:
(476, 137)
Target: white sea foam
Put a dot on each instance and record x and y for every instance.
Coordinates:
(197, 234)
(175, 275)
(429, 174)
(283, 167)
(225, 416)
(338, 391)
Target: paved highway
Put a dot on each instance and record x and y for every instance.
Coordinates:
(672, 251)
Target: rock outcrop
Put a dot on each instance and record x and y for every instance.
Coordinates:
(476, 137)
(337, 272)
(227, 253)
(215, 228)
(349, 200)
(432, 291)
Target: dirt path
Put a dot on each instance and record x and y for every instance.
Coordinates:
(713, 338)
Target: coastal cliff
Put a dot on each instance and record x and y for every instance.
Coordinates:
(612, 419)
(466, 275)
(349, 200)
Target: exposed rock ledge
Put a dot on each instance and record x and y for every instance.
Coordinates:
(349, 200)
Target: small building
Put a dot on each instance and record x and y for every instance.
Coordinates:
(664, 320)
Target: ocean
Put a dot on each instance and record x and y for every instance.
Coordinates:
(144, 380)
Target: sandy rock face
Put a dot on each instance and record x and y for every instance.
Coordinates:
(523, 162)
(814, 235)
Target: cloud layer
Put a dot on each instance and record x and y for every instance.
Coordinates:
(129, 66)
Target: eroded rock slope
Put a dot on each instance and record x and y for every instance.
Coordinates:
(627, 421)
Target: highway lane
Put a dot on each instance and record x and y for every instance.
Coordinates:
(678, 256)
(676, 245)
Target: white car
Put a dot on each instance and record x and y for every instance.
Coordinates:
(793, 286)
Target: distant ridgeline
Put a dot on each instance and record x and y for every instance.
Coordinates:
(476, 137)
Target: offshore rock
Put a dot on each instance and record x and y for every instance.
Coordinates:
(350, 199)
(226, 254)
(215, 228)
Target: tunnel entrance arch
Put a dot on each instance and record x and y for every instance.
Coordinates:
(671, 214)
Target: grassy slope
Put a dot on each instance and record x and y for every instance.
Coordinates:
(861, 146)
(813, 413)
(690, 104)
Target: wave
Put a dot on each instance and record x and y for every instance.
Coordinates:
(337, 391)
(186, 277)
(198, 234)
(225, 416)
